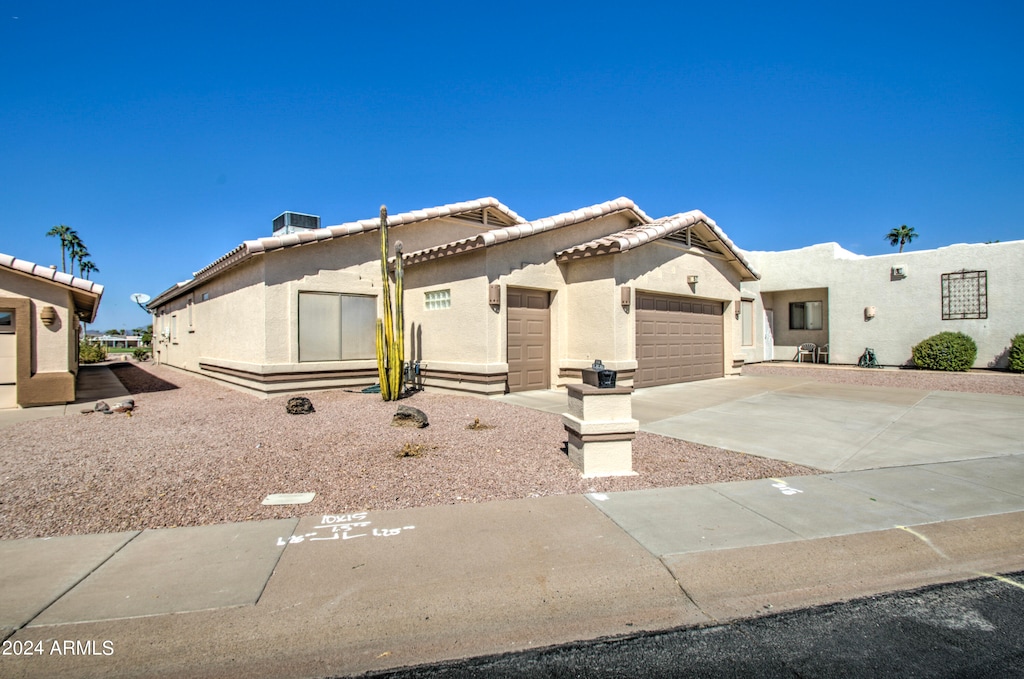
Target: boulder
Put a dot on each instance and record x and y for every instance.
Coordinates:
(300, 405)
(124, 406)
(102, 407)
(408, 416)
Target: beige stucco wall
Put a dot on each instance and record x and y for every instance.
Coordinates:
(249, 324)
(53, 346)
(588, 320)
(907, 310)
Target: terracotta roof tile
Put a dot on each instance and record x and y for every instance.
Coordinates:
(54, 276)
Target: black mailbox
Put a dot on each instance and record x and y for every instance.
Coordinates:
(599, 376)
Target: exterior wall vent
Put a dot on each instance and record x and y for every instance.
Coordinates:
(294, 222)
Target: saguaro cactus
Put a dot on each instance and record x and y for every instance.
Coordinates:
(390, 329)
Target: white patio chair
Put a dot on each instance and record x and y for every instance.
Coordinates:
(808, 349)
(822, 351)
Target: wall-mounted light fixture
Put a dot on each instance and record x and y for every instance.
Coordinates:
(48, 315)
(738, 303)
(626, 296)
(869, 313)
(692, 279)
(494, 294)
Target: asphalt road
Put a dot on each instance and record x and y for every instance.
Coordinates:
(964, 630)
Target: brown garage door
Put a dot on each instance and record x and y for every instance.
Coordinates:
(529, 353)
(678, 339)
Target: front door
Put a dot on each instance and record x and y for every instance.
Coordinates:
(529, 339)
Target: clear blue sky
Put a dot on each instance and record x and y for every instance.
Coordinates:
(166, 133)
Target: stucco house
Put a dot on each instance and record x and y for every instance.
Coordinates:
(493, 302)
(826, 295)
(41, 310)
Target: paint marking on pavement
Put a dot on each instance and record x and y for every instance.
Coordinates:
(925, 539)
(1001, 578)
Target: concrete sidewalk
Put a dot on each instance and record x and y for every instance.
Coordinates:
(341, 595)
(347, 594)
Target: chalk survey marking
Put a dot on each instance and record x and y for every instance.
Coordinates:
(343, 527)
(785, 488)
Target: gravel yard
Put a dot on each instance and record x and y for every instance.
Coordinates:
(974, 381)
(195, 452)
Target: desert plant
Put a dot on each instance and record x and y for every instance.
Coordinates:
(953, 351)
(390, 329)
(141, 354)
(1017, 354)
(411, 450)
(91, 352)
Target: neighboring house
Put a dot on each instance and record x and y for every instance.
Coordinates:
(116, 341)
(40, 314)
(824, 294)
(493, 303)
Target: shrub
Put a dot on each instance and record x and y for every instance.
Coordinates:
(946, 351)
(1017, 354)
(141, 354)
(91, 352)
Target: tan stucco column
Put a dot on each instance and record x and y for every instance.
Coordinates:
(601, 430)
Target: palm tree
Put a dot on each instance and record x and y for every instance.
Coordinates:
(87, 267)
(64, 233)
(77, 251)
(901, 236)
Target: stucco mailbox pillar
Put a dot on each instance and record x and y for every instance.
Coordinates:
(601, 429)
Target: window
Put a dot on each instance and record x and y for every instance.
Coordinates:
(805, 316)
(964, 295)
(6, 322)
(438, 299)
(205, 297)
(335, 327)
(174, 328)
(747, 322)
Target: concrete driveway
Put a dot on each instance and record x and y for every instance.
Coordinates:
(833, 427)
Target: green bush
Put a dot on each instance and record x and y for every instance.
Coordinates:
(1017, 354)
(141, 354)
(946, 351)
(91, 352)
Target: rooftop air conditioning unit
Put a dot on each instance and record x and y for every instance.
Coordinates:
(294, 222)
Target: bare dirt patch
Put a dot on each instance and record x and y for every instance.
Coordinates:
(195, 452)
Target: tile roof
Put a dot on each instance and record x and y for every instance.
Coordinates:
(518, 231)
(258, 246)
(83, 288)
(635, 236)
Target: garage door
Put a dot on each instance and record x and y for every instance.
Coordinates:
(529, 353)
(678, 339)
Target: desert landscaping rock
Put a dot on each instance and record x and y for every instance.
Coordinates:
(197, 453)
(299, 405)
(407, 416)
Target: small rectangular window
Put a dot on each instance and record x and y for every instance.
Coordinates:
(438, 299)
(6, 322)
(805, 316)
(747, 322)
(205, 297)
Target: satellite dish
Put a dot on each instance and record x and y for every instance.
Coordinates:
(141, 298)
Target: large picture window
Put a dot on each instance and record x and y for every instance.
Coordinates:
(335, 327)
(805, 316)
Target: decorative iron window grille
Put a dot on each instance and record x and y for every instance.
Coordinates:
(964, 295)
